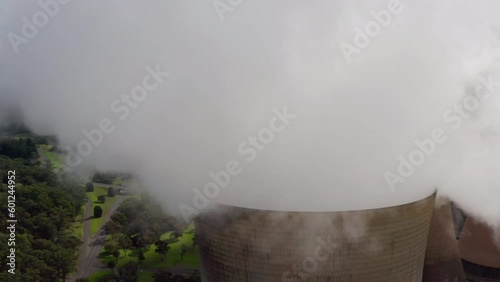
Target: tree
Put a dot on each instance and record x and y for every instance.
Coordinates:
(97, 211)
(120, 218)
(149, 237)
(194, 277)
(162, 248)
(140, 256)
(106, 178)
(116, 254)
(62, 262)
(101, 199)
(128, 272)
(194, 240)
(89, 187)
(183, 250)
(110, 247)
(112, 228)
(124, 243)
(50, 203)
(23, 148)
(111, 192)
(162, 275)
(111, 265)
(176, 233)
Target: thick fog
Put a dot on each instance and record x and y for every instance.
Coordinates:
(338, 94)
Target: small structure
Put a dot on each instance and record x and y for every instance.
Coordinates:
(122, 191)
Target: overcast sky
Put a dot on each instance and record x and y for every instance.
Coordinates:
(358, 104)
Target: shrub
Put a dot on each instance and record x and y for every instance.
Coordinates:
(97, 211)
(111, 192)
(89, 187)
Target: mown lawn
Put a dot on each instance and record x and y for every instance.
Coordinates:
(143, 276)
(98, 275)
(96, 223)
(23, 135)
(78, 224)
(146, 276)
(56, 159)
(154, 260)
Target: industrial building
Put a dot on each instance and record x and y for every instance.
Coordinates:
(442, 258)
(479, 251)
(384, 244)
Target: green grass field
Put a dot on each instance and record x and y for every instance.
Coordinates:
(98, 275)
(96, 223)
(78, 224)
(154, 260)
(56, 159)
(23, 135)
(144, 276)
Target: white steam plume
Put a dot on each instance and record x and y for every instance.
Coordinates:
(352, 120)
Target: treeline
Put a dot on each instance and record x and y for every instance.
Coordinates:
(30, 172)
(108, 177)
(24, 148)
(46, 206)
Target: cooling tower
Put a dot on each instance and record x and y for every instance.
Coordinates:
(442, 259)
(480, 254)
(250, 245)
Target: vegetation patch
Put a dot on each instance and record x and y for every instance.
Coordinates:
(98, 275)
(96, 223)
(48, 152)
(47, 209)
(140, 232)
(153, 259)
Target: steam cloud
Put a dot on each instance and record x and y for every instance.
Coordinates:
(353, 120)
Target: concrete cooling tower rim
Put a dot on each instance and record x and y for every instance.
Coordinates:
(385, 244)
(320, 208)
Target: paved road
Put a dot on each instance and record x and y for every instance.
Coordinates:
(86, 235)
(92, 246)
(129, 189)
(177, 269)
(185, 271)
(110, 185)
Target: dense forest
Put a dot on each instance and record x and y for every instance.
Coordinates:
(46, 206)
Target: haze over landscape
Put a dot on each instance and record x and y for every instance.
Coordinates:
(353, 116)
